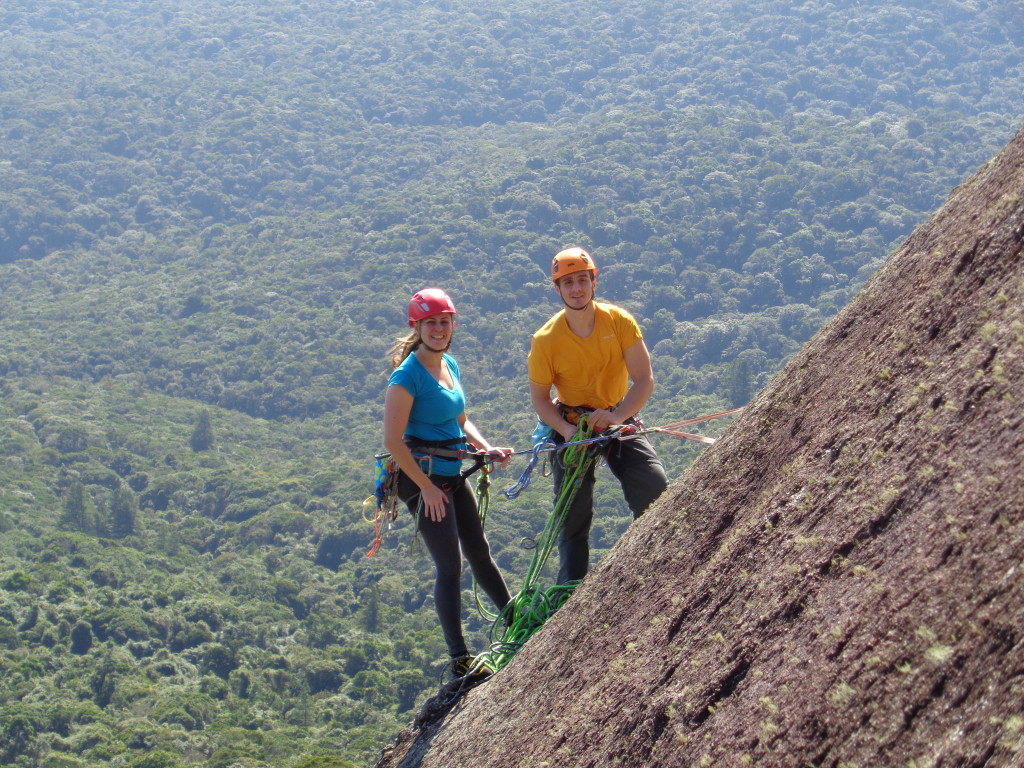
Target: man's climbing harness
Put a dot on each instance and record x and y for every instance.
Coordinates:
(627, 432)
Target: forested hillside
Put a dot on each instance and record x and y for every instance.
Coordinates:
(212, 215)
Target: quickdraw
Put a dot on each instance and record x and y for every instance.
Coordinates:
(385, 498)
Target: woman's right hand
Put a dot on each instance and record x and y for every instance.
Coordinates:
(434, 502)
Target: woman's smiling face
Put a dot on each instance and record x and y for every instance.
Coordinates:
(436, 331)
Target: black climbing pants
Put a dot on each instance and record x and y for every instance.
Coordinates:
(461, 526)
(640, 473)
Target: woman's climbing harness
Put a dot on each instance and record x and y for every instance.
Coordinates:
(385, 471)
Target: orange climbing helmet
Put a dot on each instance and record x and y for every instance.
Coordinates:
(427, 302)
(569, 260)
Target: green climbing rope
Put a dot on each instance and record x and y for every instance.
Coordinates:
(533, 606)
(483, 501)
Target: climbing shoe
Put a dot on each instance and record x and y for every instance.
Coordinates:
(468, 666)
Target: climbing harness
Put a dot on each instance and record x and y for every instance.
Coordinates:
(550, 446)
(627, 432)
(385, 497)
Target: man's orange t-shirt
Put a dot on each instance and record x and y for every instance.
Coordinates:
(585, 372)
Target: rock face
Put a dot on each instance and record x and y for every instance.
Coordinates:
(839, 580)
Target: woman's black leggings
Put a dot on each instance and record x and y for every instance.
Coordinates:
(461, 525)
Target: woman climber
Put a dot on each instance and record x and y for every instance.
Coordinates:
(428, 434)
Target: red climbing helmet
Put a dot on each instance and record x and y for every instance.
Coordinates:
(571, 260)
(427, 302)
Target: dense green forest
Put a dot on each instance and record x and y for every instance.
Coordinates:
(212, 216)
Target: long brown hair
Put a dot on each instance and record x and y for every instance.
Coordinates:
(404, 346)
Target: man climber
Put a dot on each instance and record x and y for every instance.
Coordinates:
(589, 352)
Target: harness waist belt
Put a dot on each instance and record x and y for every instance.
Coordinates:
(573, 413)
(440, 448)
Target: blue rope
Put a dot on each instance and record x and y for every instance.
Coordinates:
(546, 444)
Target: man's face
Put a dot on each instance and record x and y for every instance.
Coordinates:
(577, 289)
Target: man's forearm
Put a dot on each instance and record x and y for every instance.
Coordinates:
(634, 401)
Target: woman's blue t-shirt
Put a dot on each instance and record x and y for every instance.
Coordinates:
(435, 409)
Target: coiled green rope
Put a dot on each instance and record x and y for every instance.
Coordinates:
(532, 606)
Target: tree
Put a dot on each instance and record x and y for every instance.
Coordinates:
(370, 612)
(9, 637)
(18, 727)
(124, 512)
(324, 675)
(81, 638)
(741, 375)
(219, 659)
(159, 758)
(15, 581)
(202, 435)
(72, 440)
(76, 515)
(409, 683)
(373, 687)
(324, 761)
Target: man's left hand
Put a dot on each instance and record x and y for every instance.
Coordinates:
(601, 419)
